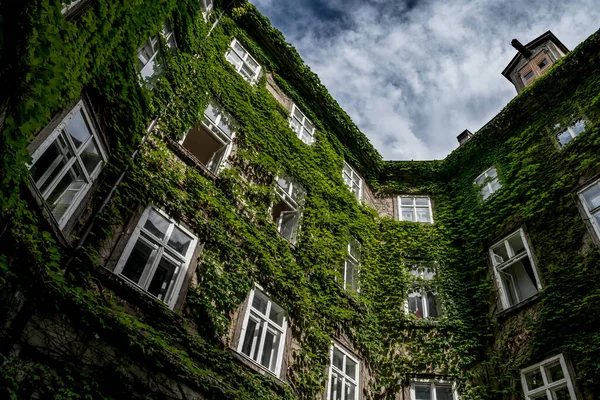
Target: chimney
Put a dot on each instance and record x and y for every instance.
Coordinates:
(520, 48)
(464, 136)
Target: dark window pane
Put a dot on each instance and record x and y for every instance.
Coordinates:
(162, 279)
(433, 305)
(179, 241)
(79, 129)
(91, 157)
(443, 393)
(415, 304)
(338, 359)
(137, 261)
(156, 224)
(66, 192)
(422, 392)
(251, 337)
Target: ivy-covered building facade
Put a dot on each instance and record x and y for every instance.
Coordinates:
(186, 213)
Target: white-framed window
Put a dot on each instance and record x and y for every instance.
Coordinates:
(572, 131)
(424, 302)
(488, 183)
(353, 180)
(429, 389)
(415, 208)
(288, 211)
(243, 62)
(514, 269)
(590, 199)
(150, 61)
(69, 5)
(548, 380)
(158, 255)
(344, 375)
(263, 332)
(349, 272)
(207, 6)
(305, 130)
(212, 141)
(66, 164)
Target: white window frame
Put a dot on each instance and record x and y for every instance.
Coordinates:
(415, 207)
(167, 33)
(219, 134)
(345, 377)
(253, 79)
(590, 214)
(351, 178)
(159, 246)
(432, 384)
(68, 7)
(513, 258)
(255, 314)
(488, 182)
(290, 196)
(419, 280)
(548, 386)
(207, 6)
(571, 131)
(76, 159)
(355, 262)
(302, 126)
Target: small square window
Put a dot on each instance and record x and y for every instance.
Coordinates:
(548, 380)
(243, 62)
(157, 256)
(488, 183)
(304, 129)
(263, 332)
(66, 164)
(344, 375)
(352, 180)
(288, 211)
(149, 56)
(515, 271)
(572, 131)
(427, 389)
(349, 272)
(211, 142)
(415, 208)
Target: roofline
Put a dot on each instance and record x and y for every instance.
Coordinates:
(545, 36)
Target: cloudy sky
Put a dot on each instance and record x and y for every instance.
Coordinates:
(413, 74)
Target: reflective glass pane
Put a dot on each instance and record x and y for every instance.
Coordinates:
(234, 59)
(90, 156)
(529, 75)
(492, 173)
(422, 201)
(250, 337)
(350, 368)
(79, 129)
(443, 393)
(276, 314)
(162, 279)
(592, 196)
(407, 201)
(423, 215)
(308, 125)
(298, 115)
(350, 391)
(433, 305)
(270, 350)
(554, 371)
(495, 184)
(179, 241)
(408, 214)
(253, 65)
(156, 224)
(295, 125)
(239, 49)
(66, 191)
(534, 379)
(415, 304)
(247, 73)
(285, 184)
(564, 137)
(137, 261)
(351, 270)
(336, 388)
(338, 359)
(288, 225)
(423, 392)
(500, 253)
(259, 302)
(354, 248)
(47, 167)
(578, 127)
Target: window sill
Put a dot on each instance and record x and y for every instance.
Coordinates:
(507, 312)
(256, 367)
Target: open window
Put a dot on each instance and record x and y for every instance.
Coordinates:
(64, 167)
(344, 375)
(514, 268)
(151, 63)
(207, 6)
(243, 62)
(548, 380)
(211, 141)
(488, 183)
(424, 301)
(349, 272)
(305, 130)
(288, 211)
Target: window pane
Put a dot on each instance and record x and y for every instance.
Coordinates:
(253, 65)
(251, 337)
(308, 126)
(288, 225)
(408, 214)
(554, 372)
(336, 387)
(138, 259)
(45, 170)
(433, 305)
(415, 304)
(592, 196)
(529, 75)
(66, 191)
(406, 201)
(423, 392)
(495, 184)
(295, 125)
(259, 302)
(350, 368)
(518, 281)
(234, 59)
(298, 115)
(423, 215)
(353, 248)
(561, 394)
(239, 49)
(564, 137)
(179, 241)
(276, 314)
(156, 224)
(338, 359)
(247, 72)
(422, 201)
(78, 129)
(499, 253)
(443, 393)
(516, 244)
(350, 278)
(162, 279)
(350, 391)
(270, 350)
(578, 127)
(534, 379)
(90, 156)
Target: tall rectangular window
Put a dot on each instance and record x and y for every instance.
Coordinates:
(427, 389)
(548, 380)
(304, 129)
(344, 374)
(66, 164)
(590, 199)
(423, 302)
(263, 332)
(288, 211)
(149, 56)
(349, 273)
(515, 271)
(158, 255)
(207, 6)
(243, 62)
(353, 180)
(488, 183)
(572, 131)
(415, 208)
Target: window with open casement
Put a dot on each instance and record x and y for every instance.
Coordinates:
(415, 209)
(548, 380)
(514, 269)
(353, 180)
(488, 183)
(589, 197)
(301, 125)
(349, 271)
(243, 62)
(427, 389)
(157, 256)
(151, 63)
(263, 332)
(344, 375)
(288, 211)
(211, 141)
(66, 164)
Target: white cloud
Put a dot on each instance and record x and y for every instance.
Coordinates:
(414, 75)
